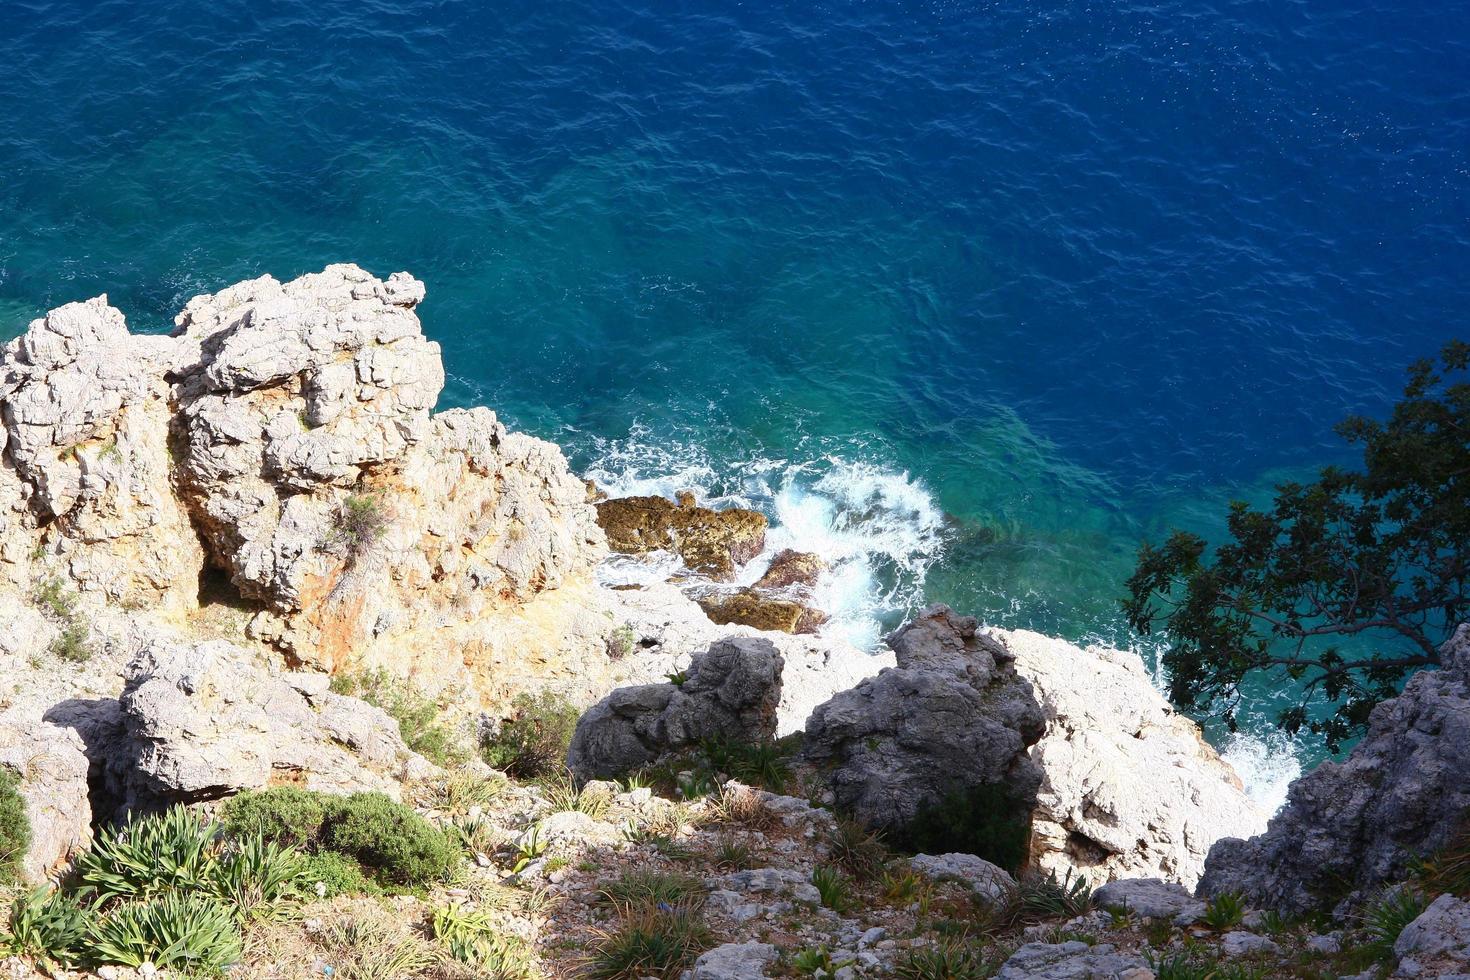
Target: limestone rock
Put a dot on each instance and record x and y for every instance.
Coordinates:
(1073, 960)
(791, 568)
(1437, 943)
(52, 768)
(85, 484)
(951, 717)
(1130, 788)
(1147, 898)
(1242, 943)
(732, 690)
(762, 610)
(778, 882)
(1403, 790)
(989, 883)
(711, 542)
(735, 961)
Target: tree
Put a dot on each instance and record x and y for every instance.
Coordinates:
(1345, 585)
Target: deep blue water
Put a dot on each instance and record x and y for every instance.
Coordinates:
(973, 295)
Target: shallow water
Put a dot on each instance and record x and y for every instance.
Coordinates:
(969, 297)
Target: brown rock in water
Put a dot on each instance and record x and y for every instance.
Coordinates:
(751, 607)
(792, 568)
(713, 542)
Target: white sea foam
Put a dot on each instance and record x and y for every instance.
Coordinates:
(1266, 765)
(878, 528)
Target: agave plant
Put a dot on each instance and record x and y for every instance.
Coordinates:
(189, 933)
(259, 879)
(151, 855)
(46, 926)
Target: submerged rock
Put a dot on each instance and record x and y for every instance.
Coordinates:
(711, 542)
(1349, 827)
(732, 690)
(952, 717)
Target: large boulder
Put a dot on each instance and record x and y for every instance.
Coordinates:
(761, 609)
(1130, 788)
(952, 717)
(732, 690)
(711, 542)
(51, 767)
(1348, 827)
(1437, 943)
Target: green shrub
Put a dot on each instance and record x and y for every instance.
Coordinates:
(417, 715)
(855, 848)
(150, 855)
(15, 827)
(258, 878)
(834, 887)
(533, 741)
(762, 764)
(337, 874)
(1041, 896)
(73, 643)
(1388, 915)
(361, 523)
(47, 926)
(645, 889)
(389, 839)
(1224, 910)
(648, 943)
(951, 960)
(191, 933)
(983, 821)
(283, 814)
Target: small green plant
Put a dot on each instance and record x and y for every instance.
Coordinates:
(563, 793)
(476, 834)
(361, 523)
(388, 838)
(284, 814)
(15, 826)
(1388, 915)
(678, 678)
(73, 642)
(733, 855)
(621, 642)
(1447, 869)
(901, 886)
(370, 949)
(189, 933)
(1224, 910)
(533, 741)
(417, 715)
(858, 850)
(330, 874)
(817, 961)
(471, 937)
(54, 597)
(47, 926)
(647, 943)
(834, 887)
(698, 784)
(151, 855)
(762, 764)
(953, 959)
(528, 849)
(464, 790)
(259, 879)
(646, 889)
(1046, 897)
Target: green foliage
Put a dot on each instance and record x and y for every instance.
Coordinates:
(678, 678)
(337, 874)
(1224, 910)
(982, 820)
(361, 523)
(858, 850)
(733, 855)
(1387, 916)
(621, 642)
(1195, 965)
(189, 933)
(388, 838)
(472, 938)
(15, 826)
(645, 889)
(901, 886)
(528, 849)
(54, 597)
(818, 960)
(563, 793)
(952, 960)
(834, 887)
(151, 855)
(647, 943)
(762, 764)
(284, 814)
(259, 879)
(1344, 585)
(1045, 897)
(416, 714)
(73, 643)
(533, 741)
(47, 926)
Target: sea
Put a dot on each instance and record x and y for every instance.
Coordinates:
(970, 298)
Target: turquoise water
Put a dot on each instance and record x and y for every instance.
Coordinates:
(972, 297)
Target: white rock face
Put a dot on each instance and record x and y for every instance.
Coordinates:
(735, 961)
(1131, 788)
(52, 770)
(1437, 944)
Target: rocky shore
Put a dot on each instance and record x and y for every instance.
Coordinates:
(249, 557)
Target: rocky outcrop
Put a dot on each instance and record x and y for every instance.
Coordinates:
(990, 884)
(713, 543)
(1130, 788)
(791, 569)
(52, 768)
(1349, 827)
(953, 716)
(1147, 898)
(760, 609)
(1437, 943)
(85, 487)
(732, 690)
(1073, 960)
(322, 483)
(735, 961)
